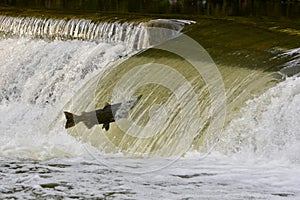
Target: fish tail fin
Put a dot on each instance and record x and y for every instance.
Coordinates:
(70, 120)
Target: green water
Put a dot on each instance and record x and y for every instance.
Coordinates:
(244, 54)
(154, 140)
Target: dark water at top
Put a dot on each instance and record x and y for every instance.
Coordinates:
(255, 8)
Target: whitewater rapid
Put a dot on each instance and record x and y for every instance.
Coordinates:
(37, 80)
(268, 128)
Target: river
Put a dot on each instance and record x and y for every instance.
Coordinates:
(219, 115)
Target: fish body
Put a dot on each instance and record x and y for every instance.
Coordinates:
(106, 115)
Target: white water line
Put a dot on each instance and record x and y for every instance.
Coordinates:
(133, 34)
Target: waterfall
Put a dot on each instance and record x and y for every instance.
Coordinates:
(44, 62)
(135, 35)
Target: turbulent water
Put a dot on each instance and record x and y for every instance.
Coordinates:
(47, 65)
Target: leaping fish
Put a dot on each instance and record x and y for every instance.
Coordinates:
(106, 115)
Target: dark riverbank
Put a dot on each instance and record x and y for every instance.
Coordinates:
(286, 8)
(99, 9)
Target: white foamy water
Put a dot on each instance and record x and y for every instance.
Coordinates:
(215, 177)
(37, 79)
(268, 127)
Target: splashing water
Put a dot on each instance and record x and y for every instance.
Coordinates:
(37, 79)
(268, 128)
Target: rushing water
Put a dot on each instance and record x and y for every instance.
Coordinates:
(175, 149)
